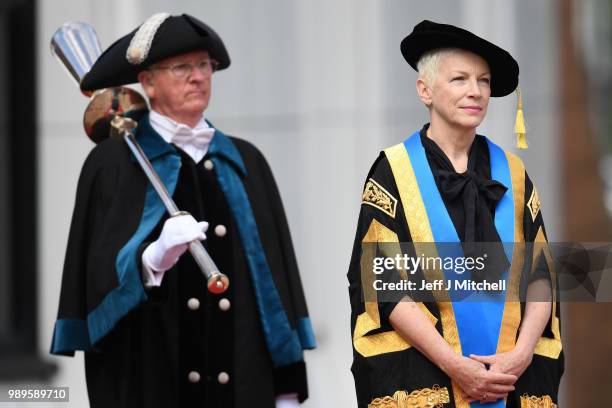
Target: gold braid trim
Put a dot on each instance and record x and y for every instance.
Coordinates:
(537, 402)
(433, 397)
(420, 230)
(511, 318)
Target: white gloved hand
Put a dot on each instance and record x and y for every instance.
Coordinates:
(287, 401)
(173, 241)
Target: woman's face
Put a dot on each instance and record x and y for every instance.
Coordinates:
(460, 93)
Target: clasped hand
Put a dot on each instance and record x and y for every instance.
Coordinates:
(494, 383)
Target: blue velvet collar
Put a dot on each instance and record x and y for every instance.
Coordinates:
(222, 146)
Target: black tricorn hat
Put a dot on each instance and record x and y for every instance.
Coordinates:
(427, 36)
(175, 35)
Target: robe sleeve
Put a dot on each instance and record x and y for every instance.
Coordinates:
(70, 332)
(540, 261)
(107, 211)
(381, 221)
(542, 377)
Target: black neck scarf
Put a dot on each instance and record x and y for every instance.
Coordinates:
(470, 198)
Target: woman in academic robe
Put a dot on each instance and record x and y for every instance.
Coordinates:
(454, 195)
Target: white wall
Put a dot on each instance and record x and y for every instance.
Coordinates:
(320, 86)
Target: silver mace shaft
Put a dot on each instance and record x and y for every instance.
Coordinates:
(216, 281)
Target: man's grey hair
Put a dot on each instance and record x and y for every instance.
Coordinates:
(430, 61)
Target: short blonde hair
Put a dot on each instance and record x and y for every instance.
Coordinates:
(430, 61)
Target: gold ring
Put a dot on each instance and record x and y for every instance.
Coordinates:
(484, 396)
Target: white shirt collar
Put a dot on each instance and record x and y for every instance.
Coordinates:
(167, 128)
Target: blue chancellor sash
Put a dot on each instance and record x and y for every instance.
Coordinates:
(478, 315)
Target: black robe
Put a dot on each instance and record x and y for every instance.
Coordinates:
(141, 346)
(383, 364)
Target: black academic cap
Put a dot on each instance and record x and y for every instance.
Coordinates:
(176, 35)
(427, 36)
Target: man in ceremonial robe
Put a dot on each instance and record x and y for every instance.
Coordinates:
(132, 299)
(447, 185)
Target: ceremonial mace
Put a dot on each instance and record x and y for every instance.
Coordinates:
(75, 45)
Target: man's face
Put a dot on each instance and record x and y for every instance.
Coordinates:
(461, 90)
(173, 92)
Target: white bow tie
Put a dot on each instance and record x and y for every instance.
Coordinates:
(199, 137)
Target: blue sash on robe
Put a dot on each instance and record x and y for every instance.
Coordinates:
(478, 315)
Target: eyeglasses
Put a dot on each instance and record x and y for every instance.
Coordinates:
(206, 67)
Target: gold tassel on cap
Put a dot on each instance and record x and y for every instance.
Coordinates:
(519, 126)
